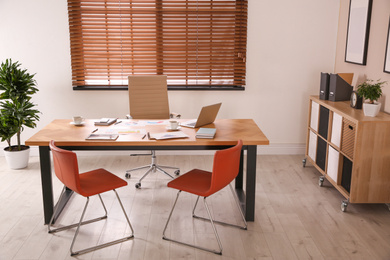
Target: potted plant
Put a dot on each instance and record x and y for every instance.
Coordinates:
(16, 110)
(371, 91)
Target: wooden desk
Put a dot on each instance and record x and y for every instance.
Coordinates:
(72, 137)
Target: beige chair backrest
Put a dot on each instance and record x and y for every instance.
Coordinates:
(148, 97)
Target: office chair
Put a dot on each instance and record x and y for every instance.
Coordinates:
(86, 184)
(204, 183)
(148, 98)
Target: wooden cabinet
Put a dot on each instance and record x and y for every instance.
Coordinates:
(350, 150)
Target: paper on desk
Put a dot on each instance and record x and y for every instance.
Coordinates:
(152, 122)
(127, 123)
(122, 131)
(130, 123)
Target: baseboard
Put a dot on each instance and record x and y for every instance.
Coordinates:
(272, 149)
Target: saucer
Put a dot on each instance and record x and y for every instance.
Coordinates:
(73, 123)
(170, 129)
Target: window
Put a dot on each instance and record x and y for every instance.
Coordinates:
(198, 44)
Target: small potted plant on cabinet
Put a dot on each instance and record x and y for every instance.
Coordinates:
(16, 110)
(371, 91)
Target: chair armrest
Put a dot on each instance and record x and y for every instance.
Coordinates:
(174, 115)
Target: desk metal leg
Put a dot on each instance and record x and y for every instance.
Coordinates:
(247, 197)
(250, 183)
(47, 186)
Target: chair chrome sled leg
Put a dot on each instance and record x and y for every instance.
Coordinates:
(219, 252)
(81, 222)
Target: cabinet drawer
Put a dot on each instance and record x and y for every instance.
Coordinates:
(333, 163)
(323, 122)
(321, 153)
(315, 110)
(348, 137)
(312, 150)
(337, 124)
(346, 174)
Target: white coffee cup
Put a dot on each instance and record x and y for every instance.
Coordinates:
(77, 120)
(173, 124)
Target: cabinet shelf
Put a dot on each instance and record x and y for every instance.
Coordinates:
(350, 150)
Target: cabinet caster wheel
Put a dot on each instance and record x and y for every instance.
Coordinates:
(344, 205)
(321, 181)
(128, 175)
(304, 163)
(138, 185)
(177, 172)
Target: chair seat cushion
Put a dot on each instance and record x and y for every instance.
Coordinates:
(195, 181)
(99, 181)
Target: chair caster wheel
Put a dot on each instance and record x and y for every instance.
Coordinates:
(128, 175)
(321, 181)
(138, 185)
(177, 172)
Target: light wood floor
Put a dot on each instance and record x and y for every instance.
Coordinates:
(295, 218)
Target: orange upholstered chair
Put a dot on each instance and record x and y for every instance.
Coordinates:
(204, 184)
(86, 184)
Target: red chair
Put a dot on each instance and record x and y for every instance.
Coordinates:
(86, 184)
(204, 183)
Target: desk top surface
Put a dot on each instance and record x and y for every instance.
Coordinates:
(228, 132)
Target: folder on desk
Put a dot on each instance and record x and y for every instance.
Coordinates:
(105, 121)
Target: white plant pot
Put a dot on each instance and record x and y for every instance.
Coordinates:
(371, 109)
(17, 159)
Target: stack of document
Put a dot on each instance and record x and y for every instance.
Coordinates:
(105, 121)
(167, 135)
(206, 133)
(106, 137)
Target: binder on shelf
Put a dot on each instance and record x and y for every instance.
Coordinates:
(206, 133)
(340, 88)
(324, 86)
(105, 121)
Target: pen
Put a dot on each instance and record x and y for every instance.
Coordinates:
(118, 122)
(94, 130)
(144, 136)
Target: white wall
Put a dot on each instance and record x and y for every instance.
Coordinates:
(289, 44)
(376, 48)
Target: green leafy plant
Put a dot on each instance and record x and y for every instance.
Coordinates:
(16, 108)
(371, 90)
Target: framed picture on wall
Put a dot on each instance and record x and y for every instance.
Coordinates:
(387, 53)
(358, 31)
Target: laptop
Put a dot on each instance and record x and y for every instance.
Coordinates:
(206, 116)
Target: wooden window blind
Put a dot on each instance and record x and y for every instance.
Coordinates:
(193, 42)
